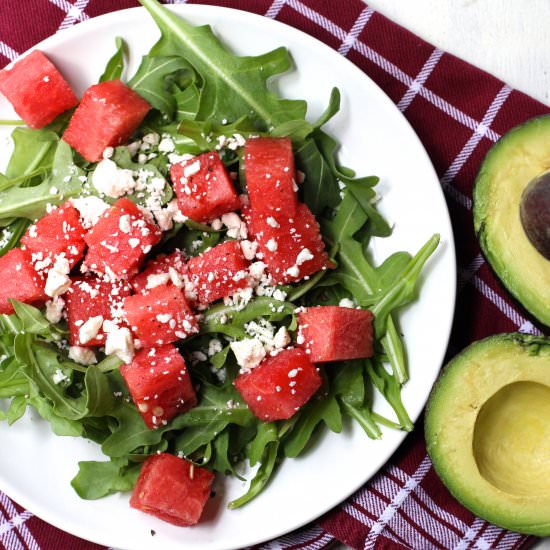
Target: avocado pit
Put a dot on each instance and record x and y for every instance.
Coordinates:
(535, 213)
(511, 443)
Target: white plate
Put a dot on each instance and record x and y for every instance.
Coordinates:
(36, 466)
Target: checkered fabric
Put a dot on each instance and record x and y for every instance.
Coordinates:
(459, 112)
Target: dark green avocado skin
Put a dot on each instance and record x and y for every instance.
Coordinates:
(521, 155)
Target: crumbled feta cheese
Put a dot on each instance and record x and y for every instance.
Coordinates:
(216, 224)
(58, 280)
(293, 271)
(304, 256)
(164, 317)
(236, 228)
(192, 169)
(54, 190)
(249, 249)
(214, 346)
(88, 331)
(272, 245)
(281, 338)
(111, 180)
(134, 242)
(157, 279)
(108, 152)
(279, 295)
(59, 376)
(152, 139)
(54, 310)
(84, 356)
(271, 221)
(249, 353)
(119, 342)
(346, 302)
(257, 270)
(167, 145)
(90, 208)
(124, 223)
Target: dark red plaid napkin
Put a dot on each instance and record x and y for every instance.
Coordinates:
(459, 112)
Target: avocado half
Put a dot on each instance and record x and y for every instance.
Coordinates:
(488, 431)
(518, 157)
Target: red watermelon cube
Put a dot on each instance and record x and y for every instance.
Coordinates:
(37, 90)
(333, 333)
(162, 270)
(59, 232)
(270, 176)
(172, 489)
(109, 113)
(89, 297)
(160, 316)
(291, 244)
(279, 385)
(219, 272)
(120, 240)
(159, 384)
(203, 187)
(20, 281)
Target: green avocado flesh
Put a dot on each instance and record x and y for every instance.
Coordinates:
(519, 157)
(488, 431)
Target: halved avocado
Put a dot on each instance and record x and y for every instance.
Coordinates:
(488, 430)
(520, 156)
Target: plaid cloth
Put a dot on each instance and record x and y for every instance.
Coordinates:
(459, 112)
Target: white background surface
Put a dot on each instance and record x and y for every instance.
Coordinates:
(507, 38)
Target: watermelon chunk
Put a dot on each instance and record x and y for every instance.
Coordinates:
(219, 272)
(37, 90)
(160, 316)
(107, 116)
(159, 384)
(279, 385)
(120, 240)
(170, 269)
(270, 176)
(203, 187)
(89, 297)
(59, 232)
(333, 333)
(172, 489)
(292, 245)
(20, 281)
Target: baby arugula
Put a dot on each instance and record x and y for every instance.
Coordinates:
(202, 93)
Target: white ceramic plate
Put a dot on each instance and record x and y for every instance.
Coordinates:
(36, 467)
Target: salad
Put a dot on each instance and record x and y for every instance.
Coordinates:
(168, 267)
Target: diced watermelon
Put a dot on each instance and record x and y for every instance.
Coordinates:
(171, 268)
(90, 297)
(160, 316)
(59, 232)
(120, 240)
(291, 244)
(37, 90)
(107, 116)
(20, 281)
(219, 272)
(333, 333)
(203, 187)
(279, 385)
(270, 176)
(172, 489)
(159, 384)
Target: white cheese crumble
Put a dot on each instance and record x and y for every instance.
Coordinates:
(346, 302)
(249, 353)
(124, 223)
(281, 338)
(59, 376)
(272, 222)
(249, 249)
(293, 271)
(236, 228)
(111, 180)
(90, 209)
(119, 342)
(58, 280)
(157, 279)
(192, 169)
(272, 245)
(84, 356)
(304, 256)
(88, 331)
(54, 310)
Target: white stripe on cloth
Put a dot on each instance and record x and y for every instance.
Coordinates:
(310, 538)
(72, 10)
(476, 137)
(420, 80)
(275, 8)
(397, 499)
(465, 275)
(356, 30)
(19, 524)
(9, 538)
(76, 13)
(8, 51)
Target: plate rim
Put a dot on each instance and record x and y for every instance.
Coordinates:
(197, 10)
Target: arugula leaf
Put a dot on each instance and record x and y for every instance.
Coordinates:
(232, 86)
(63, 183)
(267, 433)
(98, 479)
(152, 81)
(10, 235)
(115, 65)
